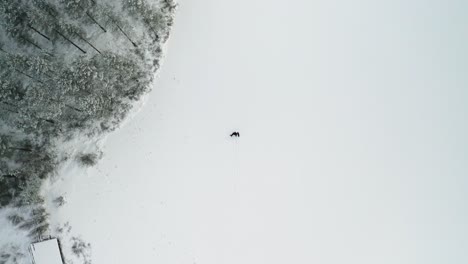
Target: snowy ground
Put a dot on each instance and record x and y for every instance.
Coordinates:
(353, 140)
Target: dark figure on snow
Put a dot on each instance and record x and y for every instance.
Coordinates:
(235, 134)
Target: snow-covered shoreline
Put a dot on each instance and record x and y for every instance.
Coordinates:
(71, 73)
(352, 148)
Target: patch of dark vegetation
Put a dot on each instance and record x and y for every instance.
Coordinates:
(15, 219)
(39, 230)
(81, 250)
(11, 254)
(89, 159)
(33, 161)
(59, 201)
(64, 229)
(34, 222)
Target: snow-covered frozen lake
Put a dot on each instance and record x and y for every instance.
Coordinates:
(353, 143)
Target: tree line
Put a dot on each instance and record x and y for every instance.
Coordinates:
(68, 67)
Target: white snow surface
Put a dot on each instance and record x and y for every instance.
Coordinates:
(46, 252)
(353, 141)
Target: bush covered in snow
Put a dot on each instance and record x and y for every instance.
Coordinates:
(89, 159)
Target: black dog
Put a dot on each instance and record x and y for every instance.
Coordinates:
(235, 134)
